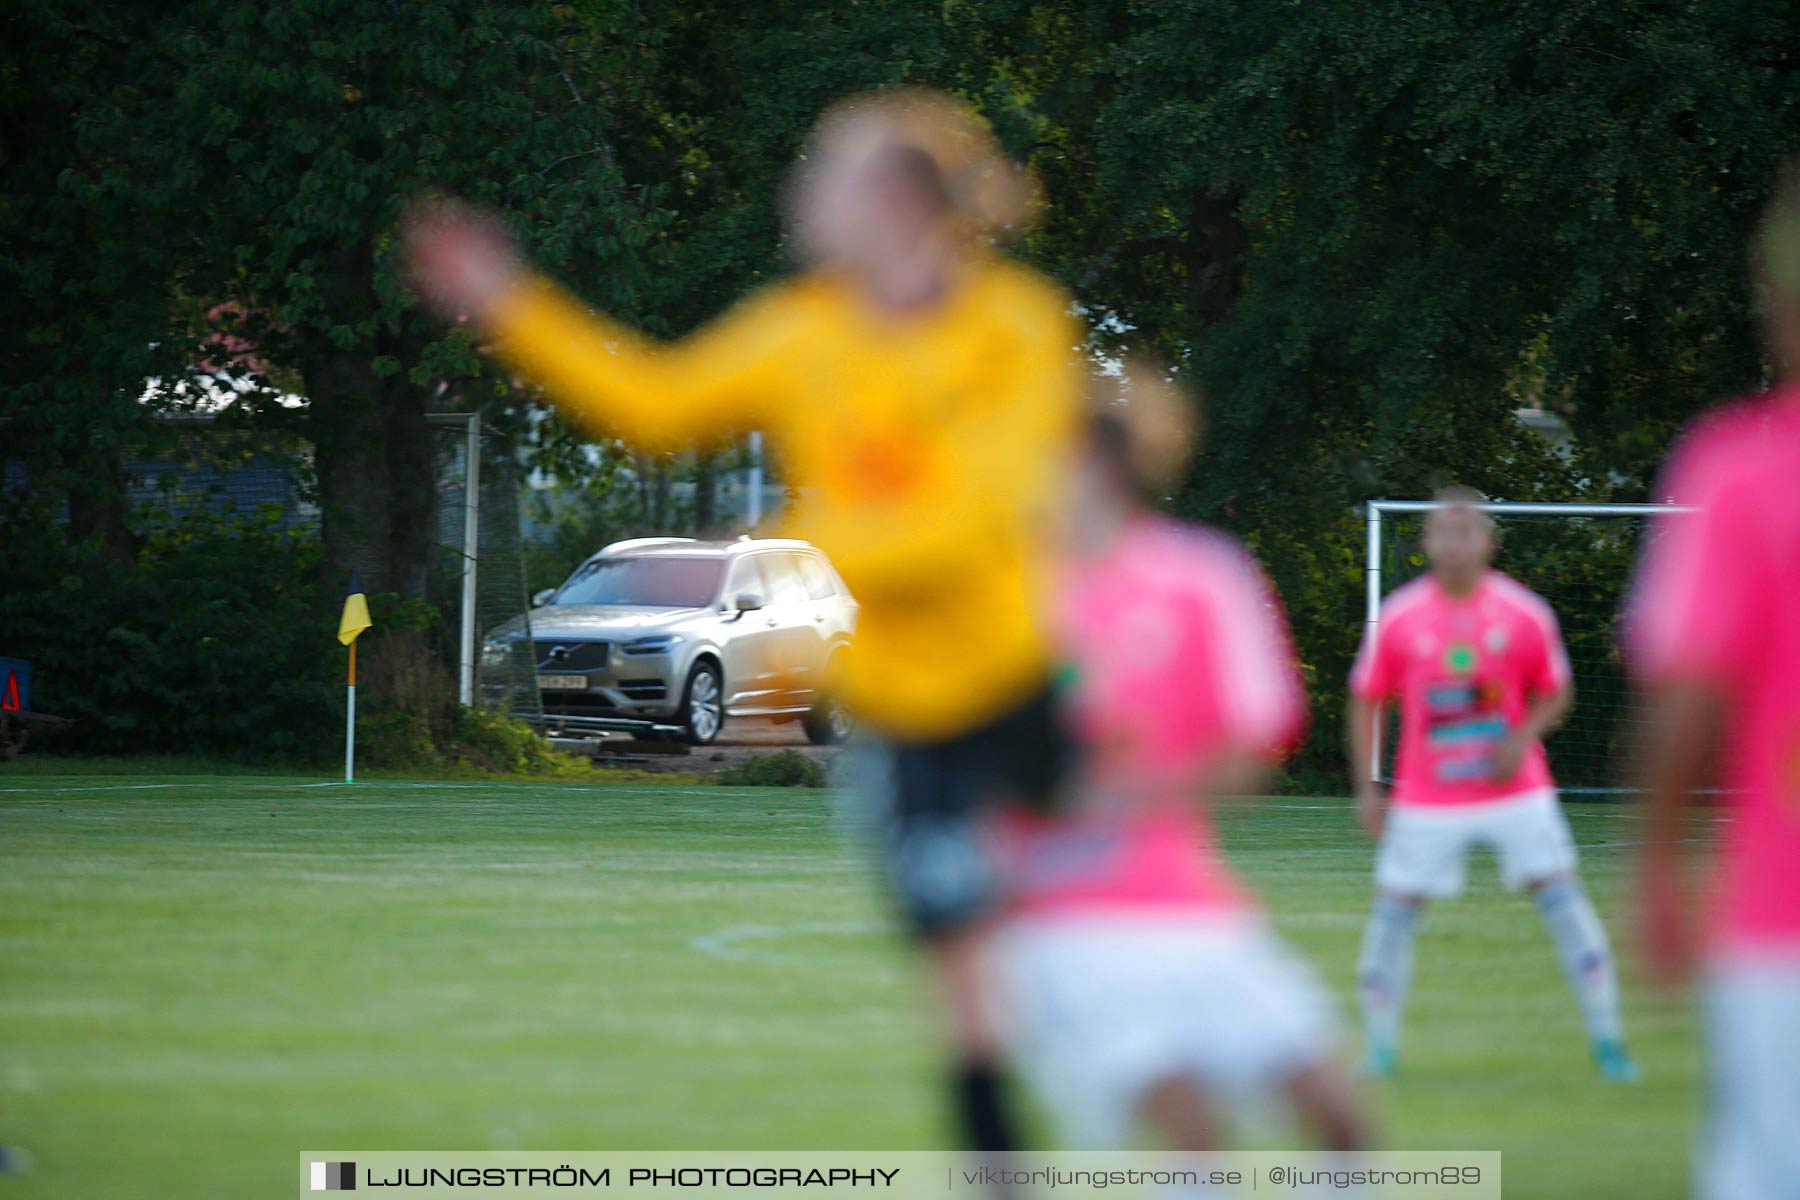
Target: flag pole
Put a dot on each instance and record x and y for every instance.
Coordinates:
(350, 722)
(350, 627)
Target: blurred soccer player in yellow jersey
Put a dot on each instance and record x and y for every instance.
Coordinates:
(923, 393)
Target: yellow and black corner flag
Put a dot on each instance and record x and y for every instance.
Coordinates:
(350, 626)
(356, 612)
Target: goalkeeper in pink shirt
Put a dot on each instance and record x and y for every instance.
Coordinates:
(1476, 663)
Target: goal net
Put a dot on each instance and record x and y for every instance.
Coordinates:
(1580, 558)
(479, 576)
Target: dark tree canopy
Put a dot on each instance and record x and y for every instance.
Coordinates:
(1366, 231)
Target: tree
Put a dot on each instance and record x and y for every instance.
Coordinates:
(1364, 230)
(1360, 227)
(313, 125)
(86, 290)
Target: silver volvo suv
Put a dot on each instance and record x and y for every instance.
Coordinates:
(666, 637)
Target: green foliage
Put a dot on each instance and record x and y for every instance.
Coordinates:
(394, 739)
(598, 506)
(219, 641)
(88, 291)
(1366, 231)
(499, 743)
(784, 768)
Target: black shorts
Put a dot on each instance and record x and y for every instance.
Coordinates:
(937, 797)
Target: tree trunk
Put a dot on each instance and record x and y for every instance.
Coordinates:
(376, 467)
(99, 505)
(706, 494)
(1216, 246)
(377, 482)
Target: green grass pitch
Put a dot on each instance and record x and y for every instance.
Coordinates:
(200, 977)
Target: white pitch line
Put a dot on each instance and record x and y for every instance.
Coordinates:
(727, 943)
(101, 787)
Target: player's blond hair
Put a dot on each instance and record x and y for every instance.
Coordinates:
(1152, 421)
(1461, 495)
(990, 195)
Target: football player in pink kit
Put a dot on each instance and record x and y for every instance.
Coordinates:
(1715, 639)
(1144, 982)
(1476, 663)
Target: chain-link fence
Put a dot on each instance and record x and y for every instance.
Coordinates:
(480, 573)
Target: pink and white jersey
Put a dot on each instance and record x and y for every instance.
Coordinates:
(1716, 602)
(1179, 655)
(1464, 671)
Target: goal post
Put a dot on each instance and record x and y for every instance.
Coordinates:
(481, 561)
(1581, 559)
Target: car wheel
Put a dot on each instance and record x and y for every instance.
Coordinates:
(702, 705)
(827, 723)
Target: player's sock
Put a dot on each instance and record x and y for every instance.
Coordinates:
(1586, 955)
(1383, 971)
(981, 1109)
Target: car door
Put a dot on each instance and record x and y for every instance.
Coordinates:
(795, 643)
(748, 641)
(832, 611)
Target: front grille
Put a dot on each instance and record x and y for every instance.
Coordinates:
(644, 689)
(574, 656)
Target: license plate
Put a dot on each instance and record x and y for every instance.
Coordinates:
(563, 683)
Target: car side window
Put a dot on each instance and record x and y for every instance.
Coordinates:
(783, 578)
(745, 577)
(819, 584)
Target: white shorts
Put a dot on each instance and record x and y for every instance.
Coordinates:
(1103, 1007)
(1752, 1143)
(1425, 848)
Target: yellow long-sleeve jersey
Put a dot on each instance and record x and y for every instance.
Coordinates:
(925, 449)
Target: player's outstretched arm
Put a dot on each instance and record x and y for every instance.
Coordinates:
(608, 376)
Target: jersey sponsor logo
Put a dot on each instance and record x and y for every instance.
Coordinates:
(1465, 721)
(1462, 770)
(882, 466)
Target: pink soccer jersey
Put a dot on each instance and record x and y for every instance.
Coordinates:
(1180, 655)
(1464, 671)
(1716, 603)
(1181, 652)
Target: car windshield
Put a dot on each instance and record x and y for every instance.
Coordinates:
(646, 581)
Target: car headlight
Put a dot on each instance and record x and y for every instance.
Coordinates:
(494, 654)
(662, 643)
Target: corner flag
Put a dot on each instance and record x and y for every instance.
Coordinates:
(354, 620)
(356, 612)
